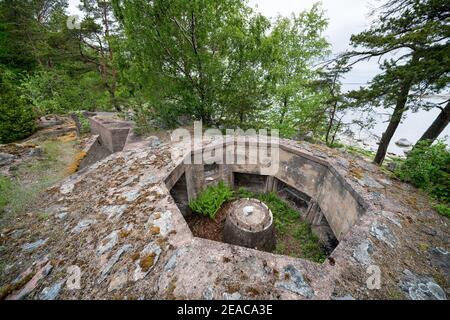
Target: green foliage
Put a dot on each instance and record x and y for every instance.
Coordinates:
(64, 69)
(54, 91)
(219, 62)
(443, 209)
(99, 38)
(283, 215)
(416, 34)
(309, 243)
(357, 151)
(5, 190)
(17, 26)
(244, 193)
(288, 224)
(211, 199)
(417, 31)
(296, 44)
(17, 119)
(428, 167)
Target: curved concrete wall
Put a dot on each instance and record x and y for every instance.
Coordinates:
(314, 177)
(339, 203)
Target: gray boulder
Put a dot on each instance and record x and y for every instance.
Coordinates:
(403, 143)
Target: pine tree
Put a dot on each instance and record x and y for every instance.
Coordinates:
(416, 33)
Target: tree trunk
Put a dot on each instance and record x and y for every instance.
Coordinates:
(437, 126)
(284, 110)
(112, 98)
(335, 132)
(330, 123)
(393, 123)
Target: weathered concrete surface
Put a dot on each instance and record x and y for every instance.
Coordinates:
(155, 255)
(94, 150)
(113, 134)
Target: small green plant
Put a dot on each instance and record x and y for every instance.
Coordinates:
(244, 193)
(309, 242)
(84, 122)
(442, 209)
(357, 151)
(283, 215)
(211, 199)
(428, 168)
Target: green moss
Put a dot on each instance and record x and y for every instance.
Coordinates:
(357, 151)
(5, 190)
(283, 215)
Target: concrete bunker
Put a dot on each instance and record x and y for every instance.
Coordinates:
(307, 184)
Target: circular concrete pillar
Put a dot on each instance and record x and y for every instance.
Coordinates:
(250, 224)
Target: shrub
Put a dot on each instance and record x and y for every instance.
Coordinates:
(17, 119)
(428, 168)
(210, 200)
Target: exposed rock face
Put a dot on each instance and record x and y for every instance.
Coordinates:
(362, 253)
(14, 153)
(34, 245)
(108, 243)
(106, 268)
(119, 280)
(148, 257)
(440, 258)
(383, 233)
(49, 121)
(368, 181)
(115, 229)
(51, 293)
(83, 225)
(295, 282)
(421, 287)
(6, 158)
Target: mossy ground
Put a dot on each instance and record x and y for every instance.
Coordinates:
(29, 179)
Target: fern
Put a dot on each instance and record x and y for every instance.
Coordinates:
(210, 200)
